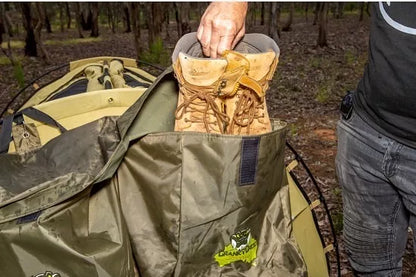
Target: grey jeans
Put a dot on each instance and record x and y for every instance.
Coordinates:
(378, 179)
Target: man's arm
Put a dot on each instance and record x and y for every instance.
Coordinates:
(221, 27)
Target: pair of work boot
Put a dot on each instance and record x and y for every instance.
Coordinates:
(107, 76)
(224, 95)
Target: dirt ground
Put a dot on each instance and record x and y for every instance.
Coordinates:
(306, 91)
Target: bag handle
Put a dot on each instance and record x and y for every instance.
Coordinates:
(7, 123)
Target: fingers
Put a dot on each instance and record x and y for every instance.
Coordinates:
(204, 35)
(226, 42)
(238, 37)
(221, 27)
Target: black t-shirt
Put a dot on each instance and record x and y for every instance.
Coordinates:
(386, 95)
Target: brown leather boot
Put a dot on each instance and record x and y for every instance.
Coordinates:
(199, 107)
(247, 108)
(225, 95)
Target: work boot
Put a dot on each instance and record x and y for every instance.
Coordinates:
(225, 95)
(247, 108)
(116, 73)
(199, 107)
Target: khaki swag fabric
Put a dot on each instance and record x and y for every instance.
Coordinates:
(126, 196)
(189, 212)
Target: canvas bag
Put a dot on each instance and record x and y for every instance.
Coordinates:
(184, 223)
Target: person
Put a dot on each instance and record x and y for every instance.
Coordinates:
(221, 26)
(376, 154)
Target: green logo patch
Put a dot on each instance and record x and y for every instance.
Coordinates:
(242, 248)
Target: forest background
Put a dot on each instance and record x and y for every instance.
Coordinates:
(323, 54)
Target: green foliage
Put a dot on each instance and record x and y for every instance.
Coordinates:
(19, 74)
(156, 53)
(293, 129)
(349, 57)
(73, 41)
(18, 44)
(337, 219)
(322, 96)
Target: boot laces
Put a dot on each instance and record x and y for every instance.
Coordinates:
(199, 103)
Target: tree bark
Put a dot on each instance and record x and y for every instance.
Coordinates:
(135, 22)
(30, 42)
(154, 21)
(316, 13)
(111, 16)
(126, 18)
(340, 10)
(78, 19)
(274, 31)
(166, 20)
(2, 22)
(47, 21)
(306, 11)
(94, 19)
(68, 16)
(61, 16)
(38, 29)
(323, 25)
(361, 11)
(287, 27)
(182, 18)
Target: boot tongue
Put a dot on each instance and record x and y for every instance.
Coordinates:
(260, 64)
(201, 72)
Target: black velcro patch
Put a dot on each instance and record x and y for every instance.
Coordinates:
(249, 154)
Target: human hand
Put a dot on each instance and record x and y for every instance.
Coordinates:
(221, 27)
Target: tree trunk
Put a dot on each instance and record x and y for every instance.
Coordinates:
(94, 19)
(166, 20)
(6, 21)
(135, 22)
(251, 19)
(340, 10)
(30, 42)
(262, 12)
(78, 19)
(86, 17)
(316, 13)
(38, 29)
(287, 27)
(126, 18)
(274, 31)
(306, 11)
(2, 22)
(47, 21)
(111, 17)
(323, 25)
(68, 15)
(182, 18)
(154, 21)
(61, 16)
(361, 11)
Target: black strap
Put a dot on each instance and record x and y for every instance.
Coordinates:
(43, 117)
(7, 123)
(6, 134)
